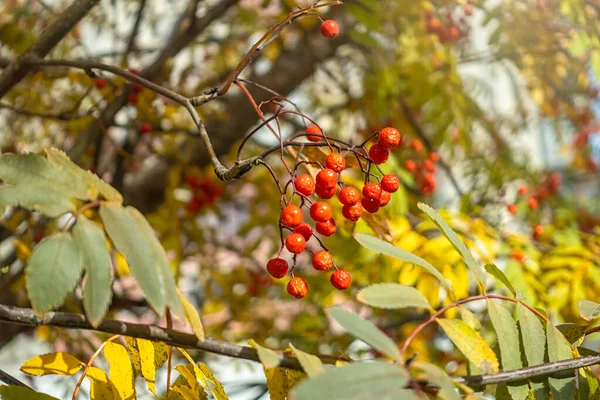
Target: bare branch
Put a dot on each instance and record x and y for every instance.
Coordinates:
(10, 380)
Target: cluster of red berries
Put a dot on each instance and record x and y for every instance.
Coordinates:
(550, 186)
(324, 186)
(205, 190)
(423, 171)
(450, 31)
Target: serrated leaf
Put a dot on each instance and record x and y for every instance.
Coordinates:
(534, 344)
(280, 381)
(509, 343)
(380, 246)
(268, 358)
(392, 296)
(588, 309)
(127, 237)
(147, 366)
(559, 349)
(471, 344)
(53, 270)
(366, 331)
(311, 364)
(13, 392)
(574, 333)
(192, 317)
(493, 270)
(120, 369)
(97, 292)
(47, 201)
(469, 318)
(438, 377)
(101, 388)
(465, 254)
(361, 381)
(52, 364)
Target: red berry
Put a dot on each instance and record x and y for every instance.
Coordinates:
(321, 211)
(532, 203)
(322, 261)
(410, 165)
(390, 138)
(379, 154)
(371, 205)
(352, 213)
(297, 287)
(517, 255)
(428, 166)
(277, 267)
(291, 216)
(330, 28)
(341, 279)
(305, 230)
(349, 196)
(295, 243)
(317, 133)
(390, 183)
(305, 184)
(433, 156)
(100, 83)
(145, 128)
(336, 162)
(327, 179)
(133, 99)
(385, 198)
(325, 193)
(538, 231)
(512, 208)
(195, 204)
(522, 190)
(468, 10)
(136, 87)
(371, 191)
(416, 145)
(326, 228)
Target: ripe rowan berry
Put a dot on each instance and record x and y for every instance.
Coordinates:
(390, 138)
(133, 99)
(326, 228)
(349, 196)
(305, 184)
(336, 162)
(295, 243)
(522, 190)
(327, 179)
(410, 165)
(512, 208)
(136, 87)
(532, 203)
(277, 267)
(330, 28)
(195, 204)
(390, 183)
(325, 193)
(433, 156)
(379, 154)
(341, 279)
(416, 145)
(322, 261)
(291, 216)
(321, 211)
(385, 198)
(371, 205)
(371, 191)
(428, 166)
(352, 212)
(317, 133)
(517, 255)
(538, 231)
(145, 128)
(297, 287)
(100, 83)
(305, 230)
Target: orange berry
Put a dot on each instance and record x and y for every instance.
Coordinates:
(532, 203)
(428, 166)
(305, 184)
(371, 191)
(295, 243)
(336, 162)
(390, 183)
(433, 156)
(371, 205)
(416, 145)
(326, 228)
(325, 193)
(385, 198)
(538, 231)
(330, 28)
(145, 128)
(317, 133)
(327, 179)
(349, 196)
(341, 279)
(517, 255)
(410, 165)
(297, 287)
(390, 138)
(322, 261)
(305, 230)
(379, 154)
(100, 83)
(321, 211)
(512, 208)
(277, 267)
(291, 216)
(352, 212)
(522, 190)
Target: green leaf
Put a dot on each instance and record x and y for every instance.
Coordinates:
(311, 364)
(466, 255)
(574, 333)
(361, 381)
(393, 296)
(53, 270)
(588, 384)
(559, 349)
(471, 344)
(493, 270)
(438, 377)
(588, 309)
(469, 318)
(129, 238)
(508, 341)
(268, 358)
(34, 170)
(47, 201)
(381, 246)
(365, 330)
(534, 344)
(97, 292)
(13, 392)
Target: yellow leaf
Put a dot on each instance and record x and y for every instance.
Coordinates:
(215, 387)
(134, 353)
(281, 380)
(52, 363)
(22, 250)
(185, 393)
(121, 265)
(148, 368)
(161, 354)
(187, 375)
(121, 371)
(192, 317)
(101, 388)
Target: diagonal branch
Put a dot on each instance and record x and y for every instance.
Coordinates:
(10, 380)
(54, 33)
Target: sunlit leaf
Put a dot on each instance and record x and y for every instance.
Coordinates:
(101, 388)
(311, 364)
(212, 383)
(52, 363)
(588, 309)
(268, 357)
(13, 392)
(534, 344)
(469, 318)
(574, 333)
(493, 270)
(187, 374)
(559, 349)
(392, 296)
(148, 368)
(192, 316)
(121, 370)
(280, 381)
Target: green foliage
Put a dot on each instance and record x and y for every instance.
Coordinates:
(392, 296)
(311, 364)
(560, 349)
